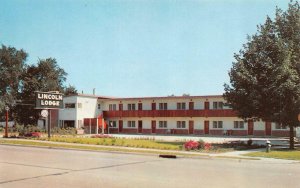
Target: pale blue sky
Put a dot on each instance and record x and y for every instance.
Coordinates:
(131, 48)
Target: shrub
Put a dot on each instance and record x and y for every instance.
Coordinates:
(101, 136)
(33, 134)
(191, 145)
(27, 130)
(64, 131)
(207, 146)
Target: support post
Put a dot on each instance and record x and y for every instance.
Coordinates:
(6, 124)
(102, 125)
(90, 123)
(49, 124)
(97, 128)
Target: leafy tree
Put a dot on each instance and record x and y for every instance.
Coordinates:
(265, 78)
(45, 76)
(12, 62)
(70, 90)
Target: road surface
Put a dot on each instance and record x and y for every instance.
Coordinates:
(42, 167)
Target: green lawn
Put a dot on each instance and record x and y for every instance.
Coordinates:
(137, 143)
(81, 147)
(278, 154)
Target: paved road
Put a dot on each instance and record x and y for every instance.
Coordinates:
(38, 167)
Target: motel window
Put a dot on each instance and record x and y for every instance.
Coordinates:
(180, 124)
(218, 105)
(69, 105)
(162, 124)
(112, 124)
(99, 106)
(131, 106)
(217, 124)
(180, 106)
(79, 105)
(112, 107)
(279, 126)
(238, 124)
(163, 106)
(131, 123)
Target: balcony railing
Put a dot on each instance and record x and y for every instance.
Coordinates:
(171, 113)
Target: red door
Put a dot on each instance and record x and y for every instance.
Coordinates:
(191, 105)
(153, 126)
(140, 106)
(191, 127)
(250, 127)
(120, 107)
(206, 105)
(268, 128)
(153, 106)
(120, 126)
(206, 127)
(140, 126)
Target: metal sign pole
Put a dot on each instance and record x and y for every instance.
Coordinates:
(49, 124)
(6, 124)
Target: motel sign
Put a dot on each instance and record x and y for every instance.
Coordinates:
(48, 100)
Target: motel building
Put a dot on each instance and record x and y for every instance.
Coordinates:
(172, 115)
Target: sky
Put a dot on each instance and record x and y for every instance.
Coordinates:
(136, 48)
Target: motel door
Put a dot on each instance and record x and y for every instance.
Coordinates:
(206, 105)
(268, 128)
(140, 126)
(206, 127)
(153, 126)
(191, 127)
(120, 126)
(250, 127)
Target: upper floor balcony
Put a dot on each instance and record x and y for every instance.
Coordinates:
(170, 113)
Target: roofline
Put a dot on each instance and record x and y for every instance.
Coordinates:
(166, 97)
(89, 95)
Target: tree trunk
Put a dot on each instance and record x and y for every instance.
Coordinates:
(292, 137)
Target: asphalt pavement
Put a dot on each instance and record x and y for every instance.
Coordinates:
(44, 167)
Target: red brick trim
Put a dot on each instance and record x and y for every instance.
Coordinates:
(130, 131)
(198, 131)
(239, 132)
(259, 133)
(283, 133)
(163, 131)
(216, 132)
(147, 131)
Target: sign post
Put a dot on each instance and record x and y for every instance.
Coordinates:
(47, 101)
(6, 124)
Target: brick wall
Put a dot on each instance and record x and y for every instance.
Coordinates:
(198, 131)
(130, 131)
(259, 133)
(216, 132)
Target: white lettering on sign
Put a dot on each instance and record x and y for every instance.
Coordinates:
(50, 96)
(49, 103)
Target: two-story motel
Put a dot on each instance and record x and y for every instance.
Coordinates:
(172, 115)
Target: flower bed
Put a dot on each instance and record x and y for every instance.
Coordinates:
(194, 145)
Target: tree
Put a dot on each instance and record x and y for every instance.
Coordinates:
(45, 76)
(70, 90)
(12, 62)
(265, 78)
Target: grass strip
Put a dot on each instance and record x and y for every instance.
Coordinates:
(240, 158)
(93, 148)
(284, 154)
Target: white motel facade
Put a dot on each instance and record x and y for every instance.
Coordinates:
(172, 115)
